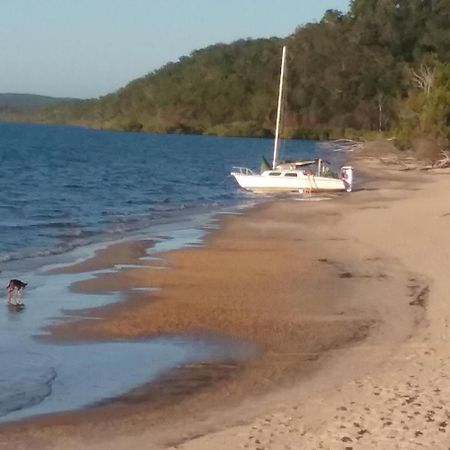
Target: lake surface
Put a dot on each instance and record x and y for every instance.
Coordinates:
(67, 191)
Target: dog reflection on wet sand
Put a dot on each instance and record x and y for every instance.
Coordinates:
(15, 290)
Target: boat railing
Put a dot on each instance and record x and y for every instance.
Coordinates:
(242, 171)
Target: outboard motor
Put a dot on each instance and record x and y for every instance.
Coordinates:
(347, 177)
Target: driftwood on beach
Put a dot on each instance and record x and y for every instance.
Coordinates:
(443, 162)
(387, 154)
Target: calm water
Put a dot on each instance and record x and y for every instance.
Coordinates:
(62, 187)
(63, 192)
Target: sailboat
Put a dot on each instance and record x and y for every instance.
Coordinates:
(292, 176)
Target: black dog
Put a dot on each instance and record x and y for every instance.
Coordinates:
(15, 287)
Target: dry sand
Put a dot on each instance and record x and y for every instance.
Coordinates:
(347, 300)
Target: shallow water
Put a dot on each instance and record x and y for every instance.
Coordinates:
(52, 378)
(65, 192)
(41, 377)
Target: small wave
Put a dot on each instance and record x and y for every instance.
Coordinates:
(39, 253)
(38, 225)
(73, 186)
(24, 382)
(25, 392)
(5, 258)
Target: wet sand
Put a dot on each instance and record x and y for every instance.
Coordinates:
(323, 288)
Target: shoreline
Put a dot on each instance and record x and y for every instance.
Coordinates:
(321, 290)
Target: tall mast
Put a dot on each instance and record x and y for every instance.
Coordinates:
(280, 100)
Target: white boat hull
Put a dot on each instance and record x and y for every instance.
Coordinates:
(301, 183)
(292, 176)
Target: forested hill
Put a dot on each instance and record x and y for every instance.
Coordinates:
(25, 102)
(384, 65)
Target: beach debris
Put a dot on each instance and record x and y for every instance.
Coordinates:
(444, 161)
(419, 294)
(346, 275)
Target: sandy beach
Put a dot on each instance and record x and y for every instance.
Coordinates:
(346, 301)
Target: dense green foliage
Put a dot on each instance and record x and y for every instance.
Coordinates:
(428, 113)
(347, 74)
(215, 90)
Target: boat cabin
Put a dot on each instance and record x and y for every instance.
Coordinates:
(317, 167)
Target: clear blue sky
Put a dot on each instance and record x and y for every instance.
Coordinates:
(88, 48)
